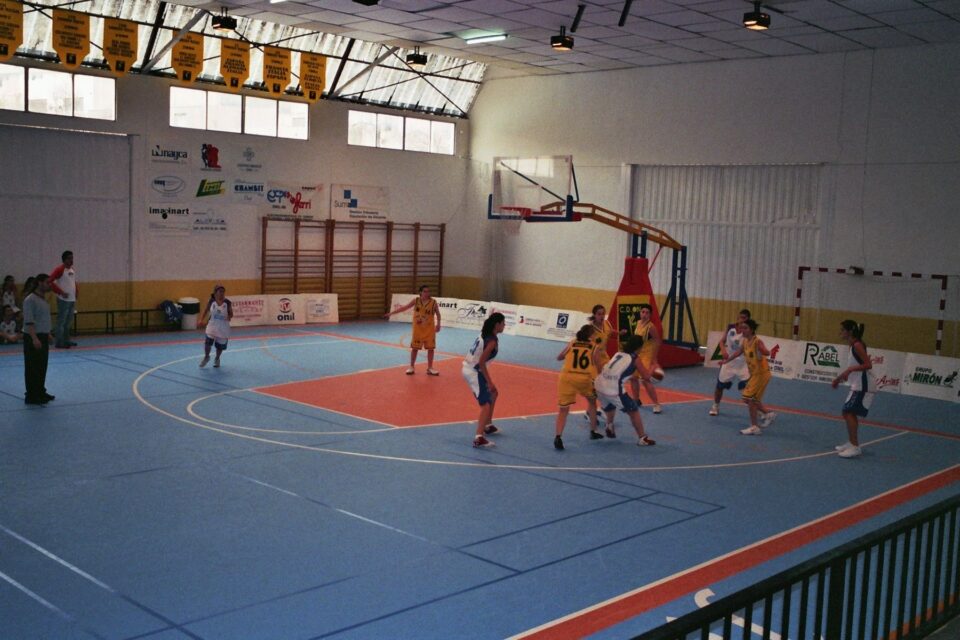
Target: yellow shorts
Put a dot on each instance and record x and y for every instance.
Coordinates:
(569, 386)
(756, 385)
(424, 337)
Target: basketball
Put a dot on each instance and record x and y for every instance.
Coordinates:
(657, 374)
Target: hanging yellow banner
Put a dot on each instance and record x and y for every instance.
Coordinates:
(234, 63)
(276, 69)
(11, 28)
(119, 44)
(71, 36)
(313, 75)
(187, 57)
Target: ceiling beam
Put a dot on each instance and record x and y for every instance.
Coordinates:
(176, 38)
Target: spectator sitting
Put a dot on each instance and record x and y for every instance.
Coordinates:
(8, 326)
(10, 294)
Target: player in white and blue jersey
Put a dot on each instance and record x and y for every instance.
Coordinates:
(736, 368)
(478, 378)
(859, 373)
(611, 394)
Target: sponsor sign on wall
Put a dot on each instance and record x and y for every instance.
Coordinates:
(249, 161)
(931, 377)
(249, 191)
(169, 219)
(785, 356)
(71, 37)
(302, 200)
(294, 309)
(119, 44)
(532, 322)
(168, 186)
(887, 369)
(11, 28)
(357, 202)
(822, 361)
(169, 154)
(469, 314)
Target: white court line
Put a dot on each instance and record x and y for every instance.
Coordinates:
(49, 605)
(77, 570)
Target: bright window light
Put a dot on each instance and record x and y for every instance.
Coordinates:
(260, 116)
(417, 135)
(293, 120)
(51, 92)
(224, 112)
(389, 131)
(94, 97)
(442, 137)
(188, 108)
(362, 128)
(13, 94)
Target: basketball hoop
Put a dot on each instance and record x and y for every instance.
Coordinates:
(522, 213)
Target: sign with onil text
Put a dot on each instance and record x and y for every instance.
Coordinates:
(71, 36)
(11, 28)
(276, 69)
(119, 44)
(187, 57)
(234, 63)
(313, 75)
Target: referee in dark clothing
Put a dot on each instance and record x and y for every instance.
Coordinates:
(36, 342)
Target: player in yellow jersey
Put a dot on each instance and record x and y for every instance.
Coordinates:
(647, 356)
(580, 359)
(604, 331)
(755, 354)
(426, 325)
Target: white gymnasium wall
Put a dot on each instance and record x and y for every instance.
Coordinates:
(881, 124)
(423, 187)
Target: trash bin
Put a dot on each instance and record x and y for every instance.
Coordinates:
(190, 307)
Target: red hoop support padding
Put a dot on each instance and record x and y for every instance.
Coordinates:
(859, 272)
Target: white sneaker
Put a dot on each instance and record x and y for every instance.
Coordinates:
(843, 447)
(767, 419)
(715, 410)
(850, 452)
(432, 372)
(751, 431)
(656, 408)
(410, 371)
(204, 362)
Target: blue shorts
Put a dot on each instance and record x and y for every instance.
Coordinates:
(623, 402)
(858, 402)
(209, 342)
(478, 385)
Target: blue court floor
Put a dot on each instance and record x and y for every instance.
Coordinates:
(155, 499)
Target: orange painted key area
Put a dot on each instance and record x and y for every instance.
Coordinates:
(391, 397)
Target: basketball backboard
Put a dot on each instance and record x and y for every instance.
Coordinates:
(523, 186)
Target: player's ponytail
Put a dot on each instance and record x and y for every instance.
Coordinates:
(851, 326)
(487, 330)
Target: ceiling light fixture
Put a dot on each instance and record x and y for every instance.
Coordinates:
(624, 13)
(495, 37)
(223, 22)
(562, 42)
(756, 20)
(416, 59)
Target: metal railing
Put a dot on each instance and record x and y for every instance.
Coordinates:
(902, 581)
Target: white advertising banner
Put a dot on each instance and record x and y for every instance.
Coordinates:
(358, 202)
(322, 307)
(822, 361)
(532, 321)
(786, 357)
(887, 369)
(305, 201)
(468, 314)
(293, 309)
(562, 325)
(713, 357)
(931, 377)
(248, 311)
(397, 300)
(511, 315)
